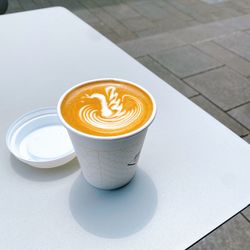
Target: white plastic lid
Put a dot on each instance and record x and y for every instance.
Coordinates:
(38, 139)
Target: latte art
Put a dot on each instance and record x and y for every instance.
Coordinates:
(112, 113)
(106, 108)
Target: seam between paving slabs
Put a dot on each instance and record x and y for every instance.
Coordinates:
(225, 64)
(202, 94)
(233, 53)
(172, 74)
(223, 112)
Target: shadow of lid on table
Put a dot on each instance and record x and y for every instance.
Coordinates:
(40, 174)
(114, 214)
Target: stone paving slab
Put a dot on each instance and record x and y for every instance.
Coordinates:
(100, 26)
(121, 11)
(186, 61)
(225, 56)
(220, 115)
(14, 6)
(242, 114)
(240, 5)
(213, 30)
(213, 1)
(72, 4)
(223, 12)
(27, 5)
(91, 19)
(107, 2)
(167, 76)
(89, 4)
(233, 235)
(196, 9)
(247, 139)
(203, 32)
(173, 12)
(204, 12)
(224, 87)
(148, 45)
(138, 24)
(149, 10)
(246, 211)
(114, 24)
(238, 23)
(167, 25)
(41, 3)
(239, 43)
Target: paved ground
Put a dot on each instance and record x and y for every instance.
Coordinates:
(200, 47)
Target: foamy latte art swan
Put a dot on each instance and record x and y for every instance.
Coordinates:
(114, 114)
(107, 107)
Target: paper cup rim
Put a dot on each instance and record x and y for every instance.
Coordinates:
(106, 138)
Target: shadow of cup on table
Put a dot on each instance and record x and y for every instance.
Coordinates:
(114, 214)
(43, 174)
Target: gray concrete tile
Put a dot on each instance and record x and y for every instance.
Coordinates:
(224, 87)
(246, 211)
(167, 25)
(225, 56)
(86, 15)
(149, 10)
(213, 1)
(71, 5)
(167, 76)
(138, 24)
(147, 45)
(107, 2)
(172, 12)
(237, 5)
(185, 61)
(220, 115)
(42, 3)
(102, 28)
(199, 10)
(14, 6)
(28, 5)
(213, 30)
(247, 139)
(239, 43)
(243, 3)
(114, 37)
(247, 10)
(121, 11)
(203, 32)
(89, 4)
(192, 7)
(115, 25)
(242, 114)
(233, 235)
(223, 12)
(238, 23)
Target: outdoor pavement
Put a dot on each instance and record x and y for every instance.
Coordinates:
(200, 47)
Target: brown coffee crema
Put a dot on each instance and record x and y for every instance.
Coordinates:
(107, 108)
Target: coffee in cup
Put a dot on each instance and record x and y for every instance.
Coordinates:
(107, 120)
(107, 108)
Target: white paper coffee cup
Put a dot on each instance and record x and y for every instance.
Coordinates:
(108, 162)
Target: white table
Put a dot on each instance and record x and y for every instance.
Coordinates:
(194, 171)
